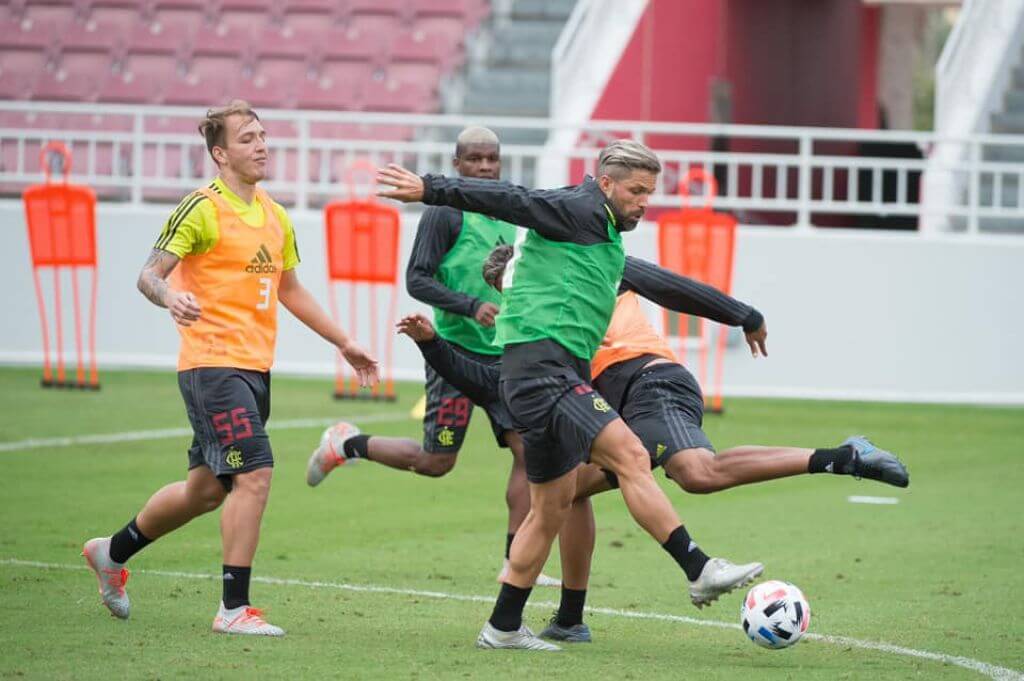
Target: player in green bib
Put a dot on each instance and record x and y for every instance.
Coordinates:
(558, 296)
(444, 272)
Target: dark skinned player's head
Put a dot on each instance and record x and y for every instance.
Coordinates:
(477, 154)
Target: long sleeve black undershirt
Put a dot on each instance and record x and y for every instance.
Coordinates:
(436, 234)
(682, 294)
(576, 214)
(476, 380)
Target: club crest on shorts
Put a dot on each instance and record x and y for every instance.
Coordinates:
(601, 405)
(234, 458)
(446, 438)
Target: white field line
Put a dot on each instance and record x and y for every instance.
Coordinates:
(880, 501)
(140, 435)
(990, 670)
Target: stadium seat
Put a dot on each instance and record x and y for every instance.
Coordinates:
(66, 86)
(128, 91)
(346, 43)
(391, 95)
(27, 34)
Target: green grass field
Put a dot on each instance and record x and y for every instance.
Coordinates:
(940, 572)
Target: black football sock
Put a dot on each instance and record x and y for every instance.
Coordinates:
(686, 552)
(508, 610)
(236, 586)
(831, 460)
(508, 544)
(127, 542)
(357, 447)
(570, 609)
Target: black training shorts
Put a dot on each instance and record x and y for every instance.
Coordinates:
(558, 418)
(228, 409)
(448, 412)
(665, 408)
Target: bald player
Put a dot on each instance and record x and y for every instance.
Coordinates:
(232, 251)
(444, 272)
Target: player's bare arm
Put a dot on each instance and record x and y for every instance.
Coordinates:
(301, 303)
(182, 305)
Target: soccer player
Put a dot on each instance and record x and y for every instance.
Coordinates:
(636, 371)
(444, 272)
(559, 293)
(232, 251)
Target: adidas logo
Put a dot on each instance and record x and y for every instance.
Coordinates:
(228, 577)
(262, 263)
(828, 467)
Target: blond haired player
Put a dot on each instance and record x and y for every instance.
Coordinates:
(233, 254)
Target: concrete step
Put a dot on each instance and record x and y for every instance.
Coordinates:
(1014, 102)
(530, 32)
(542, 9)
(1008, 123)
(497, 103)
(503, 54)
(511, 80)
(1004, 154)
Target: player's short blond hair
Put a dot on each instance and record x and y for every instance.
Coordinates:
(213, 128)
(624, 156)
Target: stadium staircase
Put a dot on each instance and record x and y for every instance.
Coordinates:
(1009, 120)
(508, 70)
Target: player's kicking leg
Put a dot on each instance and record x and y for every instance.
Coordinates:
(619, 451)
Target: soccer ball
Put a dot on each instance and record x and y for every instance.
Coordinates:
(775, 614)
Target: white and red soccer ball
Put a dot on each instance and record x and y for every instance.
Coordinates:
(775, 614)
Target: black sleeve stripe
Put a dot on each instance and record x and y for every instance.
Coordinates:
(177, 219)
(174, 216)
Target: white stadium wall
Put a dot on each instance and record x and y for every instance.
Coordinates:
(859, 315)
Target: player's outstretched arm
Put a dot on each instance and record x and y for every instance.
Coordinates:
(687, 296)
(476, 380)
(152, 282)
(301, 303)
(554, 213)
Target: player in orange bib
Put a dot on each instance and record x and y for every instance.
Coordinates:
(232, 253)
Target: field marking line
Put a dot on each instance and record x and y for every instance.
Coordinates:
(163, 433)
(881, 501)
(990, 670)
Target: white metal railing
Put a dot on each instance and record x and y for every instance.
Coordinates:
(971, 78)
(770, 175)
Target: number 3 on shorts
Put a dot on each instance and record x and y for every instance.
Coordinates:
(264, 294)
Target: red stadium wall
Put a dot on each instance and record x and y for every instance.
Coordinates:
(790, 62)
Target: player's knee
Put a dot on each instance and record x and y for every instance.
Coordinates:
(633, 460)
(254, 483)
(436, 465)
(694, 471)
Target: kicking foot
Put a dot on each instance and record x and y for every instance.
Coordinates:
(577, 633)
(542, 579)
(112, 576)
(718, 577)
(875, 464)
(522, 639)
(244, 620)
(331, 452)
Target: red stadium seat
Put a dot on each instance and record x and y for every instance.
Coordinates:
(27, 34)
(349, 43)
(132, 91)
(66, 86)
(392, 95)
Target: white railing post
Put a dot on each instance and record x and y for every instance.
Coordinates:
(302, 188)
(974, 190)
(803, 216)
(138, 139)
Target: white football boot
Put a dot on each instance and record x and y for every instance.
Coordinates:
(112, 576)
(244, 620)
(718, 577)
(331, 452)
(542, 579)
(521, 639)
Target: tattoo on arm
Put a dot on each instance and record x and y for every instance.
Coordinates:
(153, 278)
